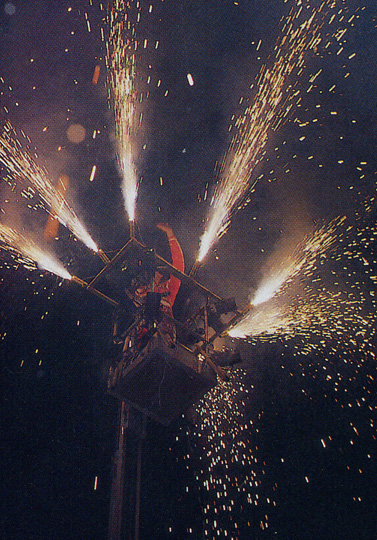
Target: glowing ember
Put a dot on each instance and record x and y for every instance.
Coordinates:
(190, 79)
(22, 166)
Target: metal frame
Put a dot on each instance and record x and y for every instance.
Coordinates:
(120, 256)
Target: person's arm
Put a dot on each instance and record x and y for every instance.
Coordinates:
(178, 260)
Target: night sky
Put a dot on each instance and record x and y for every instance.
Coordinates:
(287, 448)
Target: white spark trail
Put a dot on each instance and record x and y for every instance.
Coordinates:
(121, 65)
(22, 167)
(29, 252)
(280, 314)
(272, 104)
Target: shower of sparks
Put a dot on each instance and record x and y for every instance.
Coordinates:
(271, 316)
(230, 472)
(328, 315)
(316, 310)
(302, 260)
(28, 253)
(22, 167)
(121, 50)
(331, 328)
(271, 106)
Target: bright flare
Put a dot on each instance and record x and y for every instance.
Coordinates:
(49, 263)
(219, 214)
(272, 285)
(28, 252)
(268, 318)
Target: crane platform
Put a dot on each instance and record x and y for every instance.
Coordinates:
(163, 381)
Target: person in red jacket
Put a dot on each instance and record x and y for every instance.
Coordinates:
(166, 285)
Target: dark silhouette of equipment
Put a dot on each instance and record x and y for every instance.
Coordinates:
(163, 382)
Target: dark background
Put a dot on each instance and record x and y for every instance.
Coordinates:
(308, 403)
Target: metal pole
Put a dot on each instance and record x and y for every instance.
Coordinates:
(88, 287)
(103, 256)
(117, 487)
(138, 488)
(206, 329)
(132, 229)
(112, 263)
(194, 269)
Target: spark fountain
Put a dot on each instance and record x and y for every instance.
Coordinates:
(22, 167)
(231, 461)
(272, 104)
(269, 318)
(335, 323)
(30, 253)
(121, 48)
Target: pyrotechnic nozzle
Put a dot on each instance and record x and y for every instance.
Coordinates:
(236, 319)
(103, 256)
(79, 281)
(132, 228)
(194, 270)
(247, 308)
